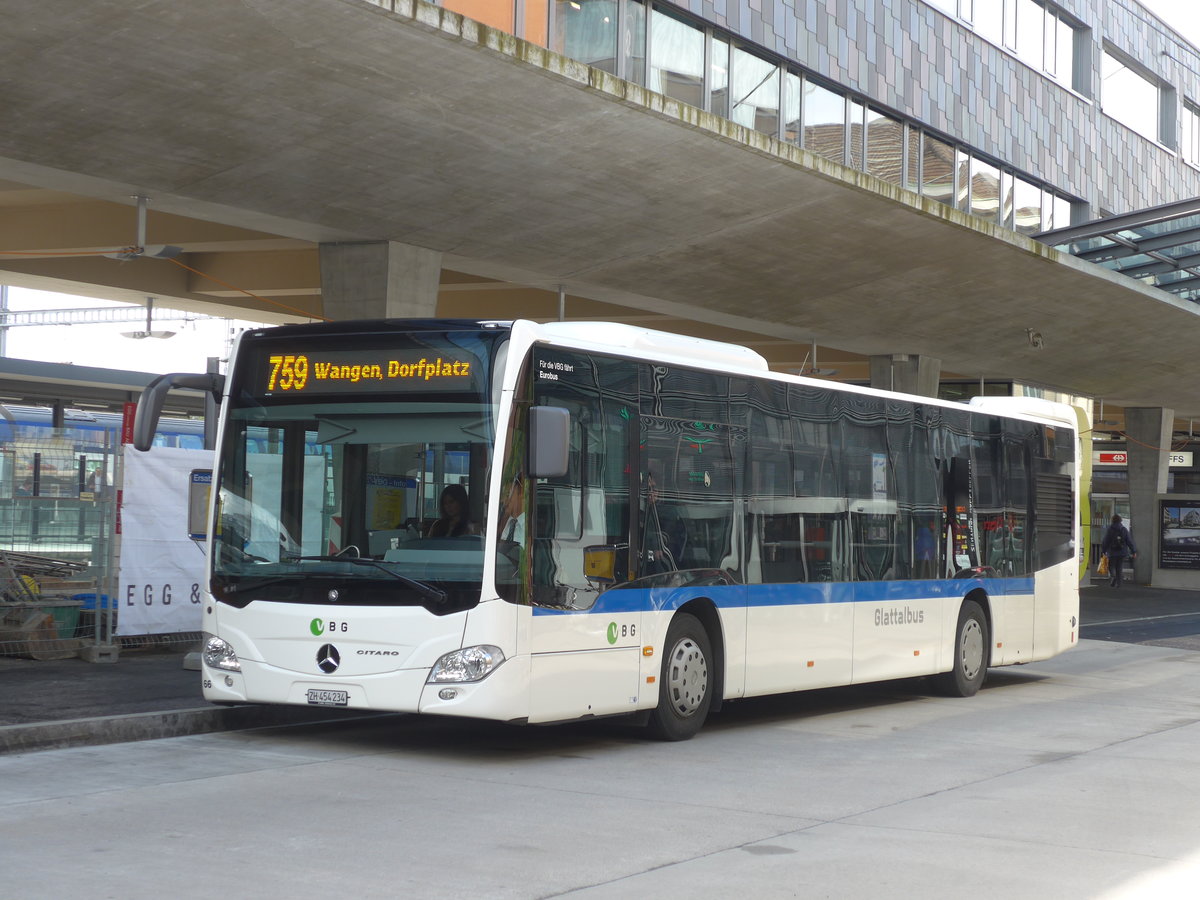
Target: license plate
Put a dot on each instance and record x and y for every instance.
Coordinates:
(328, 698)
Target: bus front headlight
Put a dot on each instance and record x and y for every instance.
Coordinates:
(467, 664)
(218, 654)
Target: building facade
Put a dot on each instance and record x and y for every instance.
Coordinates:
(1031, 114)
(1028, 113)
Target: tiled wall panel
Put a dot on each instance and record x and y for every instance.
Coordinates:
(913, 58)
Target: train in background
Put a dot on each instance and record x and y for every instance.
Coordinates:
(89, 429)
(56, 484)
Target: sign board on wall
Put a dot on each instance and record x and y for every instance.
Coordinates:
(199, 489)
(1181, 459)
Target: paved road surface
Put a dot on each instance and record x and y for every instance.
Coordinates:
(1140, 615)
(1076, 777)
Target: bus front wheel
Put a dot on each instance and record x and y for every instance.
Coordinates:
(970, 654)
(685, 681)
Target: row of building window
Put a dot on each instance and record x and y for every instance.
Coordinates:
(1045, 38)
(1132, 99)
(1038, 34)
(702, 67)
(1189, 139)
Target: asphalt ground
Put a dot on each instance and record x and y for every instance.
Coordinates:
(148, 693)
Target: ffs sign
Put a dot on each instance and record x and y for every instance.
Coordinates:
(1178, 459)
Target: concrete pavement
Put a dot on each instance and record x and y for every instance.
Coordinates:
(149, 694)
(1070, 778)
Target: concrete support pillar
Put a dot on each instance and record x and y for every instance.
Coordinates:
(907, 373)
(379, 280)
(1147, 447)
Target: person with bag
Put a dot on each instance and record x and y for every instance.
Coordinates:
(1116, 546)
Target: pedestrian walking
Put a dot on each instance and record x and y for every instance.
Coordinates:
(1117, 545)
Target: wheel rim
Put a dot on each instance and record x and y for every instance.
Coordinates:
(687, 678)
(972, 649)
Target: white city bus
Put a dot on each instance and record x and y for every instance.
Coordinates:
(660, 525)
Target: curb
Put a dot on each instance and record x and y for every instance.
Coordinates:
(151, 726)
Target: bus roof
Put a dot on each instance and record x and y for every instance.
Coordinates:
(648, 341)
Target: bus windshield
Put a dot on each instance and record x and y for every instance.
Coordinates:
(356, 475)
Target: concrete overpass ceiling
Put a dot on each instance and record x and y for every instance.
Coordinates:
(278, 124)
(275, 267)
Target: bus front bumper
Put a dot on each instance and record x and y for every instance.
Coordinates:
(502, 696)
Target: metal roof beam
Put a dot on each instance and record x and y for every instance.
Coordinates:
(1125, 222)
(12, 318)
(1183, 284)
(1160, 268)
(1128, 248)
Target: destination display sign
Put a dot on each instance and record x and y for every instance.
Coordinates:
(303, 371)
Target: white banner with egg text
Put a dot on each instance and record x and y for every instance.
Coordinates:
(162, 568)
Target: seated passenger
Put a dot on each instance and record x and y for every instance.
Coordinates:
(455, 520)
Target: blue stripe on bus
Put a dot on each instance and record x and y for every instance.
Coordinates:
(736, 596)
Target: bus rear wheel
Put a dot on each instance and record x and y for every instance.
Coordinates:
(685, 681)
(970, 654)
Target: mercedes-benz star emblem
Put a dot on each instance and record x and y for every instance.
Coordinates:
(328, 658)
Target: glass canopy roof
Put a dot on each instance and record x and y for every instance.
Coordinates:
(1159, 246)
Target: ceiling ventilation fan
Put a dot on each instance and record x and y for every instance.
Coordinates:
(1100, 420)
(140, 249)
(813, 371)
(149, 332)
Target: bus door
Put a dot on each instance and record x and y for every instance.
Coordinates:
(585, 616)
(962, 553)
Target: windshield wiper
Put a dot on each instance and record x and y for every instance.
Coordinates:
(428, 591)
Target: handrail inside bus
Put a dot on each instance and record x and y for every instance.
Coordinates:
(150, 404)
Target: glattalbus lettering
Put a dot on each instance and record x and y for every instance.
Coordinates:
(905, 616)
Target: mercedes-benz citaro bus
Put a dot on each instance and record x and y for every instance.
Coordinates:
(654, 525)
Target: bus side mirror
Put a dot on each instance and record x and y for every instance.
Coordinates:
(549, 441)
(150, 404)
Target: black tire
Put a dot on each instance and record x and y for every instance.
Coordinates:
(971, 644)
(685, 682)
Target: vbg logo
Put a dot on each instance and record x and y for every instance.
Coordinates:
(616, 631)
(320, 627)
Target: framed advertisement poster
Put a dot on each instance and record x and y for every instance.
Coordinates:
(1179, 539)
